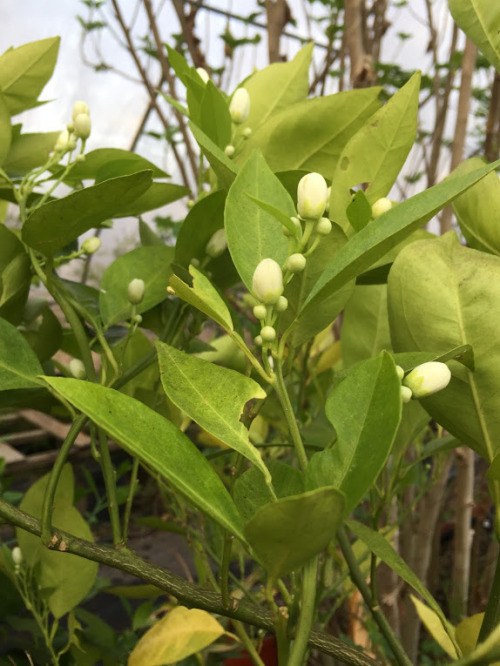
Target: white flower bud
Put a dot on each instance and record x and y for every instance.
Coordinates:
(203, 74)
(217, 244)
(229, 150)
(91, 245)
(239, 107)
(82, 125)
(381, 206)
(268, 334)
(80, 107)
(267, 282)
(324, 226)
(400, 372)
(70, 127)
(77, 368)
(311, 196)
(296, 262)
(62, 143)
(260, 311)
(17, 556)
(405, 393)
(282, 304)
(135, 291)
(427, 378)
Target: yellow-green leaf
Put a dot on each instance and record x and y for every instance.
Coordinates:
(435, 627)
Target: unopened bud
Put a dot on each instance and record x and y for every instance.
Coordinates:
(80, 107)
(203, 74)
(17, 556)
(70, 127)
(405, 393)
(282, 304)
(239, 108)
(267, 282)
(260, 311)
(247, 132)
(400, 372)
(311, 196)
(381, 206)
(328, 197)
(135, 291)
(258, 340)
(77, 368)
(229, 150)
(217, 244)
(137, 319)
(428, 378)
(268, 334)
(296, 262)
(62, 143)
(82, 125)
(91, 245)
(324, 226)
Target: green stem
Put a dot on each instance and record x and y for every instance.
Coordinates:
(224, 570)
(492, 614)
(290, 416)
(360, 582)
(307, 611)
(108, 474)
(130, 499)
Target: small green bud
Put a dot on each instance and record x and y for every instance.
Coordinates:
(400, 372)
(428, 378)
(217, 244)
(62, 143)
(405, 393)
(82, 125)
(260, 311)
(239, 107)
(137, 319)
(77, 368)
(282, 304)
(195, 262)
(17, 556)
(80, 158)
(311, 196)
(91, 245)
(381, 206)
(267, 282)
(70, 127)
(135, 291)
(324, 226)
(229, 150)
(247, 132)
(258, 340)
(80, 107)
(296, 262)
(203, 74)
(268, 334)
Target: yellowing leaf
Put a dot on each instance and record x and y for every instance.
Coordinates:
(435, 627)
(181, 633)
(467, 632)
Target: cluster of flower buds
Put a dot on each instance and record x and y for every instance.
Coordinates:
(424, 380)
(267, 287)
(78, 128)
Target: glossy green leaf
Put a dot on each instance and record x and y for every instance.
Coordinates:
(180, 633)
(19, 365)
(288, 533)
(479, 19)
(494, 469)
(212, 396)
(24, 71)
(359, 211)
(377, 152)
(365, 410)
(68, 577)
(252, 233)
(311, 135)
(55, 224)
(215, 120)
(105, 163)
(434, 626)
(147, 235)
(378, 237)
(203, 296)
(298, 289)
(15, 276)
(5, 132)
(157, 443)
(473, 209)
(379, 545)
(156, 196)
(43, 332)
(29, 151)
(443, 295)
(223, 167)
(151, 264)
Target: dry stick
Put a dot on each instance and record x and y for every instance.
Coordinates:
(149, 88)
(492, 139)
(278, 15)
(185, 592)
(195, 52)
(354, 39)
(461, 123)
(165, 69)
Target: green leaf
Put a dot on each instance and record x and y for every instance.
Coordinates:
(359, 211)
(55, 224)
(212, 396)
(29, 151)
(156, 196)
(435, 627)
(288, 533)
(44, 332)
(223, 167)
(493, 472)
(377, 152)
(15, 276)
(467, 632)
(378, 237)
(151, 264)
(473, 209)
(148, 236)
(105, 163)
(379, 545)
(252, 233)
(24, 71)
(203, 296)
(215, 120)
(479, 19)
(442, 296)
(19, 365)
(157, 443)
(69, 577)
(365, 410)
(180, 633)
(311, 135)
(5, 132)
